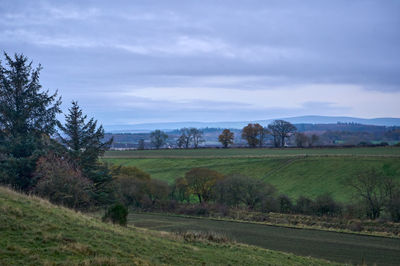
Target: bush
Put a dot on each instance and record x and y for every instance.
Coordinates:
(285, 204)
(236, 190)
(356, 226)
(394, 208)
(304, 205)
(197, 236)
(117, 214)
(61, 183)
(326, 205)
(353, 211)
(269, 204)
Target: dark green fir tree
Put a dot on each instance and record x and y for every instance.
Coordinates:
(85, 143)
(27, 120)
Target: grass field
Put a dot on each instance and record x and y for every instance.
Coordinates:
(34, 232)
(322, 171)
(243, 152)
(340, 247)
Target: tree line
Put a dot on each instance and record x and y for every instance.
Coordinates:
(254, 134)
(201, 190)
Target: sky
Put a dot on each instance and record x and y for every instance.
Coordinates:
(130, 62)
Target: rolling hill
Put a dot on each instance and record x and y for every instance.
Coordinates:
(295, 172)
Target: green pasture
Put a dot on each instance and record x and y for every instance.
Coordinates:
(260, 152)
(292, 175)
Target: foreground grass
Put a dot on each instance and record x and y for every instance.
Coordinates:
(35, 232)
(300, 175)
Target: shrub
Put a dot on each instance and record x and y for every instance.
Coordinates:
(130, 190)
(304, 205)
(394, 208)
(356, 226)
(196, 236)
(129, 172)
(353, 210)
(269, 204)
(236, 190)
(117, 214)
(61, 183)
(326, 205)
(285, 204)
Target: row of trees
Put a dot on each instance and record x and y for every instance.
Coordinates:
(280, 130)
(208, 187)
(189, 137)
(254, 134)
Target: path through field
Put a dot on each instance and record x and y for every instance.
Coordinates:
(333, 246)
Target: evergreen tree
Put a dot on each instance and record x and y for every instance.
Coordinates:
(84, 143)
(27, 119)
(83, 140)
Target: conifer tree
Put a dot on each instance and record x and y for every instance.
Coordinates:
(27, 120)
(84, 144)
(83, 140)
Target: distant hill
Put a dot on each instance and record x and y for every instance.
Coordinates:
(143, 128)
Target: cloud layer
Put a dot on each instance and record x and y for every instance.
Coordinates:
(146, 61)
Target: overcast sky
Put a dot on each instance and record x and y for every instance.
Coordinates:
(130, 62)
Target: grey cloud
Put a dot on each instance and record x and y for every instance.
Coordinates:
(113, 45)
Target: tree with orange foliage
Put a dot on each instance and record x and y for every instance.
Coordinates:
(226, 138)
(201, 181)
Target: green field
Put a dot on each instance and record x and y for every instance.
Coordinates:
(244, 152)
(340, 247)
(320, 171)
(35, 232)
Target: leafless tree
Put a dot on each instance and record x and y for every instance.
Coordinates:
(281, 130)
(197, 137)
(373, 189)
(185, 138)
(313, 140)
(158, 138)
(301, 140)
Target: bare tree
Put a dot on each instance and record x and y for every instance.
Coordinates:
(180, 142)
(197, 137)
(185, 138)
(262, 135)
(239, 189)
(373, 189)
(313, 140)
(301, 140)
(281, 130)
(158, 138)
(141, 144)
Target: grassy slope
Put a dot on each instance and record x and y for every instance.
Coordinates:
(301, 175)
(32, 232)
